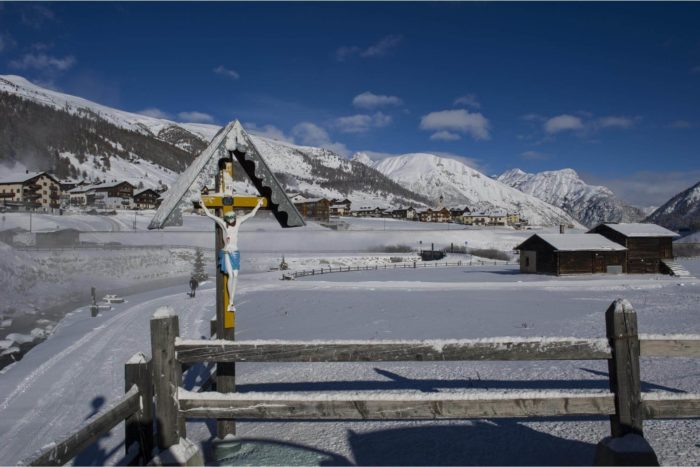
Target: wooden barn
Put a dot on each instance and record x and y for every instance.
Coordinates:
(571, 254)
(648, 245)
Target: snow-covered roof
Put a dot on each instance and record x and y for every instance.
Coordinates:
(21, 178)
(86, 188)
(136, 193)
(580, 242)
(639, 229)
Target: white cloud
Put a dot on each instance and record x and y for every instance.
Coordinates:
(229, 73)
(310, 134)
(382, 47)
(155, 113)
(268, 131)
(36, 15)
(195, 117)
(462, 121)
(615, 122)
(468, 100)
(361, 123)
(681, 124)
(563, 123)
(534, 155)
(43, 62)
(369, 100)
(445, 136)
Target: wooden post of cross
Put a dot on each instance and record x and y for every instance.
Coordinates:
(221, 202)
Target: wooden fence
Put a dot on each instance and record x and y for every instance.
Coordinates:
(403, 265)
(625, 403)
(134, 407)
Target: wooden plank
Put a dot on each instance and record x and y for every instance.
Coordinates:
(354, 406)
(671, 405)
(67, 448)
(217, 201)
(138, 429)
(189, 351)
(623, 368)
(669, 346)
(167, 375)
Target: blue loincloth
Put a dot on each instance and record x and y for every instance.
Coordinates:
(234, 258)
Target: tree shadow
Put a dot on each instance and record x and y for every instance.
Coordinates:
(397, 382)
(505, 442)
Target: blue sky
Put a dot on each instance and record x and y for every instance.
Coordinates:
(609, 89)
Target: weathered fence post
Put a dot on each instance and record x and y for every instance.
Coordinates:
(623, 372)
(623, 368)
(167, 374)
(138, 428)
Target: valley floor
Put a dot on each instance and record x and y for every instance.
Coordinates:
(79, 368)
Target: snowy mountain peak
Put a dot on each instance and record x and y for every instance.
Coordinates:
(590, 204)
(462, 185)
(362, 158)
(680, 212)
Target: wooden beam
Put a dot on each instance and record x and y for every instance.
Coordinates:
(669, 346)
(623, 369)
(190, 351)
(166, 377)
(357, 406)
(217, 201)
(138, 428)
(61, 452)
(670, 405)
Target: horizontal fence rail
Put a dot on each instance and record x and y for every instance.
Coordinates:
(660, 405)
(191, 351)
(59, 453)
(402, 265)
(357, 406)
(671, 345)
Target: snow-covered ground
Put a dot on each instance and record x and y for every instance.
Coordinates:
(79, 368)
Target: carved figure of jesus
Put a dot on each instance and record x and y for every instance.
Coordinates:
(229, 258)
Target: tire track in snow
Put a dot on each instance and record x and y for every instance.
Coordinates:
(91, 345)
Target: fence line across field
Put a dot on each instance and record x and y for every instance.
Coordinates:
(157, 383)
(402, 265)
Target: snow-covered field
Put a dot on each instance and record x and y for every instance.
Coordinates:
(79, 368)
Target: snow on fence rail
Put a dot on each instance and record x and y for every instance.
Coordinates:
(160, 380)
(134, 407)
(410, 265)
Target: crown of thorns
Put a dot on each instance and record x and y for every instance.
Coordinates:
(230, 215)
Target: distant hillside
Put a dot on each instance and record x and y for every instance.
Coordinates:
(41, 129)
(682, 212)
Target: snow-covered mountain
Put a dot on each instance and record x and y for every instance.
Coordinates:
(680, 212)
(41, 129)
(589, 204)
(461, 185)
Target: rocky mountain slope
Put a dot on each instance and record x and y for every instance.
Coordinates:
(461, 185)
(41, 129)
(589, 204)
(682, 212)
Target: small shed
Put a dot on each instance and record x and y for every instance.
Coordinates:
(571, 254)
(648, 245)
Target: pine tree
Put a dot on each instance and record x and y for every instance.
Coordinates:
(199, 273)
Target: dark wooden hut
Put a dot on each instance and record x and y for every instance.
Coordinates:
(648, 245)
(571, 254)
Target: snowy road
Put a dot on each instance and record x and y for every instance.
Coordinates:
(61, 382)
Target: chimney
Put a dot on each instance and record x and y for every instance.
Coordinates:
(562, 228)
